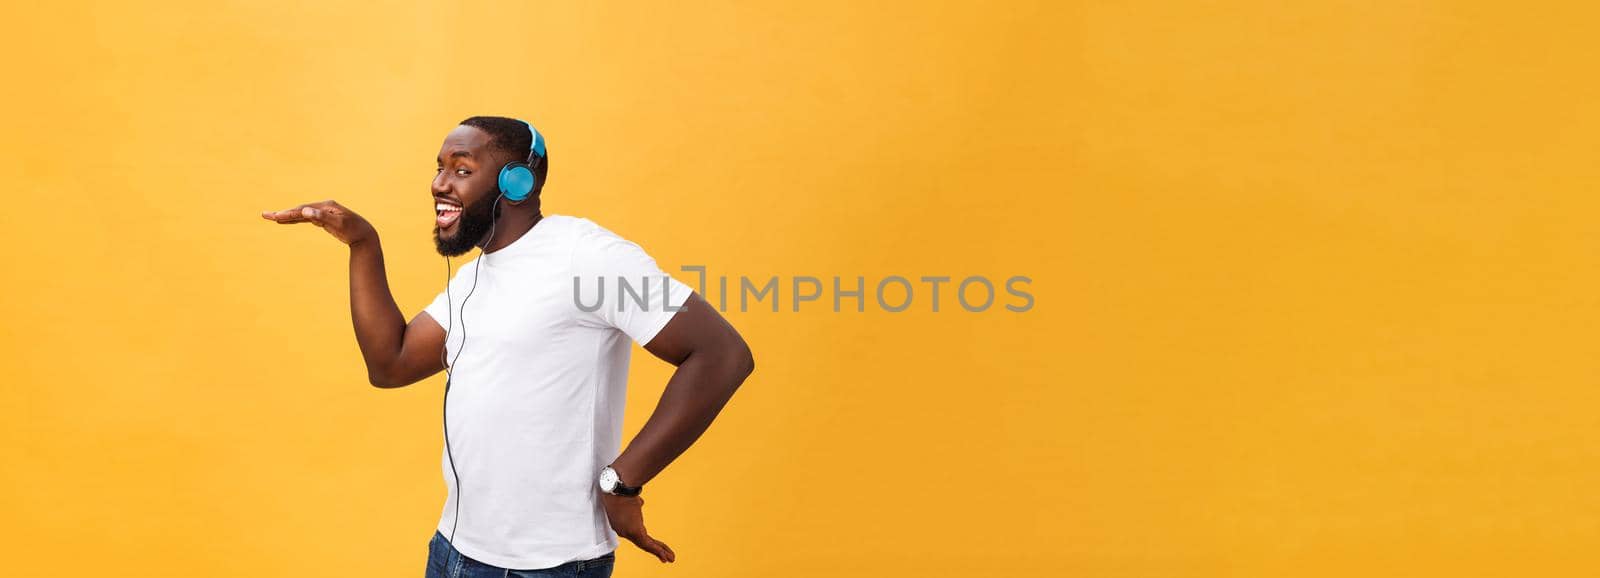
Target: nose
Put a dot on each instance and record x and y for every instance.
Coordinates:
(440, 184)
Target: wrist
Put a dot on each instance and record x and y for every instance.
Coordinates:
(627, 471)
(611, 482)
(368, 241)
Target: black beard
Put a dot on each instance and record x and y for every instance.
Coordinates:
(472, 226)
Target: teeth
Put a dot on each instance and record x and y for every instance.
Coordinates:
(445, 207)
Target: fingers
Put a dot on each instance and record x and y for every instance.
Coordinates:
(655, 547)
(314, 213)
(286, 216)
(625, 517)
(671, 556)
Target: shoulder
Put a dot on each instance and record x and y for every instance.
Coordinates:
(464, 271)
(583, 229)
(598, 249)
(591, 238)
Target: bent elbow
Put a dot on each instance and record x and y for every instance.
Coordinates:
(745, 361)
(384, 381)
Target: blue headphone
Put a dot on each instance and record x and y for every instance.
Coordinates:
(516, 178)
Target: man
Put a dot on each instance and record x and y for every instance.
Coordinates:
(534, 398)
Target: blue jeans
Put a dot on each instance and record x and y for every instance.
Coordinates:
(445, 562)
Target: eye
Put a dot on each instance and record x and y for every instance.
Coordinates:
(463, 172)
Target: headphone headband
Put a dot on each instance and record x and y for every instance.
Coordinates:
(537, 141)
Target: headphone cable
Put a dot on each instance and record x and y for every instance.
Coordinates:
(451, 361)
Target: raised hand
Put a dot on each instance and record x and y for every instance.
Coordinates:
(626, 515)
(344, 224)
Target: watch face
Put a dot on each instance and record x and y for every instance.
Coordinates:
(608, 479)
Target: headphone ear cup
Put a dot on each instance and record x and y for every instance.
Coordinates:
(516, 182)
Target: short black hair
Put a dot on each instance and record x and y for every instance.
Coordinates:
(511, 136)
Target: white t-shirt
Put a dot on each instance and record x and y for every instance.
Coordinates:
(536, 397)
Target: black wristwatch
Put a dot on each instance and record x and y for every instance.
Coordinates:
(611, 484)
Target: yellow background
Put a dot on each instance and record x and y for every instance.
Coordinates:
(1315, 281)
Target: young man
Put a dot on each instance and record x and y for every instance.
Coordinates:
(537, 356)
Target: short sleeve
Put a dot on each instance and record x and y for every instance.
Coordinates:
(439, 310)
(620, 286)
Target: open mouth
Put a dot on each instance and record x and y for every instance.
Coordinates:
(446, 214)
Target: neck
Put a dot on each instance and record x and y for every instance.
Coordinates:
(512, 225)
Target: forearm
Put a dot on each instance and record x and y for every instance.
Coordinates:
(379, 324)
(694, 396)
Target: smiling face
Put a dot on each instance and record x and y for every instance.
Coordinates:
(465, 190)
